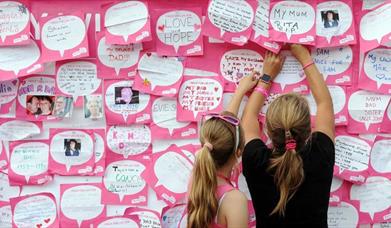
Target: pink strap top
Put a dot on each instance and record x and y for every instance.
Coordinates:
(221, 191)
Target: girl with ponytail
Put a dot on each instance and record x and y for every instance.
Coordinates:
(290, 182)
(212, 199)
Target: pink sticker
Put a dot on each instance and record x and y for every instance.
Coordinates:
(148, 218)
(80, 204)
(346, 214)
(7, 191)
(366, 110)
(351, 157)
(339, 191)
(335, 64)
(63, 37)
(199, 95)
(335, 23)
(123, 183)
(6, 215)
(118, 221)
(168, 174)
(100, 151)
(373, 33)
(375, 73)
(71, 152)
(127, 22)
(3, 158)
(340, 100)
(15, 63)
(13, 130)
(38, 210)
(386, 124)
(260, 34)
(29, 161)
(125, 141)
(179, 31)
(15, 23)
(292, 21)
(8, 93)
(374, 197)
(36, 98)
(116, 61)
(230, 21)
(164, 121)
(291, 78)
(124, 104)
(162, 81)
(380, 158)
(77, 78)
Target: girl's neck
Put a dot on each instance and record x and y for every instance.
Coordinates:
(224, 174)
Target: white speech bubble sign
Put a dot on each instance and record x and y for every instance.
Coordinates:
(372, 24)
(14, 58)
(242, 185)
(57, 148)
(164, 76)
(173, 171)
(63, 33)
(336, 184)
(35, 210)
(7, 191)
(78, 78)
(381, 156)
(351, 153)
(344, 23)
(332, 61)
(124, 178)
(261, 21)
(125, 109)
(344, 215)
(374, 195)
(236, 64)
(338, 96)
(126, 18)
(178, 28)
(171, 218)
(99, 147)
(230, 16)
(81, 203)
(8, 91)
(30, 159)
(208, 89)
(129, 140)
(164, 114)
(147, 219)
(6, 216)
(291, 72)
(35, 86)
(14, 17)
(118, 223)
(371, 111)
(18, 129)
(292, 17)
(377, 65)
(118, 56)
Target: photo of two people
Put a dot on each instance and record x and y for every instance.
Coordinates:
(43, 105)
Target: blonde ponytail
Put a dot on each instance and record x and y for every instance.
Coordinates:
(202, 204)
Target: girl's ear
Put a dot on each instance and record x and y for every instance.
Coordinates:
(238, 153)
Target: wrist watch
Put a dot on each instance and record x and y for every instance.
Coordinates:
(265, 78)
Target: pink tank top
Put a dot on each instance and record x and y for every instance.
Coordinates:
(221, 191)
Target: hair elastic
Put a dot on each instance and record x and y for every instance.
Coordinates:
(209, 146)
(290, 144)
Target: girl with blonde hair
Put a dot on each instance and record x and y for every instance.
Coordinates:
(212, 199)
(290, 182)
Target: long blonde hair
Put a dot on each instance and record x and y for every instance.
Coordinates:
(287, 118)
(202, 203)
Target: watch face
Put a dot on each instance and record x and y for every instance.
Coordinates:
(265, 78)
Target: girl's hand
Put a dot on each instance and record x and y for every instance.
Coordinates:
(301, 53)
(248, 82)
(273, 64)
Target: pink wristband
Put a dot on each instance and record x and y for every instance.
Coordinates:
(262, 91)
(308, 64)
